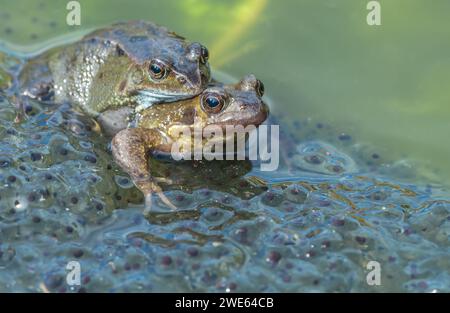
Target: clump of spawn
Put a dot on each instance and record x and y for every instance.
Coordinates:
(62, 199)
(314, 146)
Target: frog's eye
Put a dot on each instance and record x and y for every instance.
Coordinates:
(212, 102)
(157, 70)
(204, 55)
(259, 88)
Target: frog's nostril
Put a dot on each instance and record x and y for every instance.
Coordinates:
(181, 80)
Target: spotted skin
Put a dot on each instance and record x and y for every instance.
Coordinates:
(112, 68)
(156, 129)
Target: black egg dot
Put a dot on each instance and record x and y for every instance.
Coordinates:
(295, 191)
(48, 176)
(269, 196)
(69, 229)
(28, 108)
(63, 151)
(136, 266)
(166, 260)
(375, 156)
(90, 158)
(86, 279)
(35, 156)
(12, 178)
(314, 159)
(274, 257)
(45, 193)
(74, 200)
(11, 131)
(32, 197)
(344, 137)
(4, 163)
(360, 240)
(226, 200)
(124, 181)
(99, 206)
(78, 253)
(338, 222)
(193, 252)
(36, 219)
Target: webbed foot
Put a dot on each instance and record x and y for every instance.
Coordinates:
(149, 188)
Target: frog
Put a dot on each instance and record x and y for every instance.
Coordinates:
(157, 127)
(126, 67)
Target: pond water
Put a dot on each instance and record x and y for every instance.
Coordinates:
(364, 175)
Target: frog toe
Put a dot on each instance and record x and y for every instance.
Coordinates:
(162, 196)
(166, 201)
(148, 203)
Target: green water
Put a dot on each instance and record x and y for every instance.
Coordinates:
(327, 73)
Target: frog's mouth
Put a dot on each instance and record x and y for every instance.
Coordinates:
(146, 98)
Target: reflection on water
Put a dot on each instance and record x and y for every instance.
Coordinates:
(361, 111)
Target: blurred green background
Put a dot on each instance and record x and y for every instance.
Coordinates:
(387, 85)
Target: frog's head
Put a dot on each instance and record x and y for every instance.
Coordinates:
(171, 76)
(160, 66)
(219, 105)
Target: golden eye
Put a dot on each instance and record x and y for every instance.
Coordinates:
(212, 102)
(157, 70)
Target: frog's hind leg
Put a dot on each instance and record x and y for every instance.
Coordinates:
(130, 149)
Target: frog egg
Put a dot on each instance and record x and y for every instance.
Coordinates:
(21, 204)
(323, 158)
(123, 182)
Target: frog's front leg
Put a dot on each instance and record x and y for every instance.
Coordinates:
(130, 148)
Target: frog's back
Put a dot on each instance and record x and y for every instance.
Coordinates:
(141, 39)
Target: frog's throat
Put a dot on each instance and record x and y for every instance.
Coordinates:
(146, 98)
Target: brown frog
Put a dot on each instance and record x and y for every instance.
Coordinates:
(158, 127)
